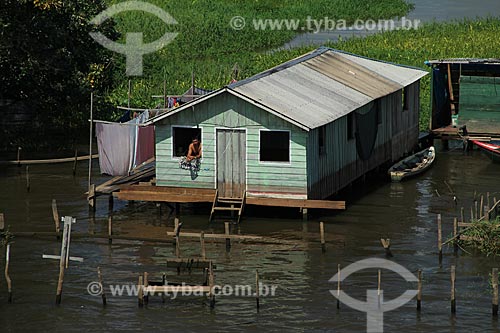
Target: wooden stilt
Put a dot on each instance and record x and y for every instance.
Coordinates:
(257, 290)
(476, 211)
(103, 293)
(419, 290)
(164, 283)
(2, 222)
(379, 285)
(7, 277)
(481, 206)
(322, 236)
(19, 157)
(202, 244)
(75, 162)
(57, 219)
(62, 261)
(304, 214)
(90, 139)
(453, 300)
(440, 238)
(177, 231)
(228, 240)
(338, 286)
(494, 283)
(462, 214)
(28, 186)
(211, 283)
(110, 229)
(455, 236)
(471, 214)
(146, 284)
(140, 294)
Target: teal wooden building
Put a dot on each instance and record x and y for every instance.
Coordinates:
(302, 130)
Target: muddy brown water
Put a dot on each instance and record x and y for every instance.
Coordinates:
(404, 212)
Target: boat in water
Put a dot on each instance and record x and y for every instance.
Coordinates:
(413, 165)
(490, 149)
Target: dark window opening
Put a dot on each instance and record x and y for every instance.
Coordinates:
(322, 140)
(274, 146)
(182, 138)
(406, 97)
(350, 126)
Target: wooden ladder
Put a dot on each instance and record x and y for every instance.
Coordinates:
(228, 205)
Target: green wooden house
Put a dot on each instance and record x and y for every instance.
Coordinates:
(302, 130)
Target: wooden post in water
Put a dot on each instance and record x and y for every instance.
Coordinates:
(28, 178)
(386, 243)
(481, 206)
(140, 294)
(476, 210)
(419, 290)
(164, 283)
(7, 277)
(471, 214)
(57, 220)
(440, 238)
(62, 260)
(103, 293)
(494, 283)
(202, 244)
(92, 198)
(19, 157)
(146, 284)
(177, 237)
(90, 138)
(75, 162)
(228, 240)
(110, 229)
(257, 289)
(379, 284)
(486, 215)
(462, 214)
(338, 286)
(322, 236)
(453, 300)
(2, 222)
(455, 236)
(211, 283)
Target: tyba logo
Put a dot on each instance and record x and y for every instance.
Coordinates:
(134, 49)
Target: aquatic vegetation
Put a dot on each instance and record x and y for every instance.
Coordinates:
(483, 236)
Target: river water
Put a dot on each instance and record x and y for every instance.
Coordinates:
(404, 212)
(425, 11)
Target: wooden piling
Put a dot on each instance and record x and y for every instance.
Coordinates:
(28, 186)
(488, 199)
(202, 244)
(55, 215)
(103, 293)
(146, 284)
(211, 283)
(92, 198)
(338, 286)
(62, 261)
(75, 162)
(110, 229)
(494, 283)
(476, 210)
(304, 214)
(462, 214)
(322, 236)
(228, 240)
(140, 293)
(379, 284)
(486, 215)
(386, 243)
(257, 289)
(164, 283)
(419, 290)
(6, 272)
(440, 238)
(2, 222)
(19, 157)
(453, 300)
(455, 235)
(90, 139)
(471, 214)
(177, 232)
(481, 206)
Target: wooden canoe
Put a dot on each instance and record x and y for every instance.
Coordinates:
(413, 165)
(490, 149)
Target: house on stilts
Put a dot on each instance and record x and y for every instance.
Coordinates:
(291, 136)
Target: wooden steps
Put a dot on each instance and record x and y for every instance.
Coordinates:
(220, 204)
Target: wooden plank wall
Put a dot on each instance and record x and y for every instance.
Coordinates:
(227, 111)
(397, 135)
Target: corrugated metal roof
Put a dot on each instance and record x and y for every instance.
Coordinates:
(319, 87)
(325, 85)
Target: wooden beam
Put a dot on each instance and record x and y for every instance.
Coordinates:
(162, 197)
(215, 236)
(298, 203)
